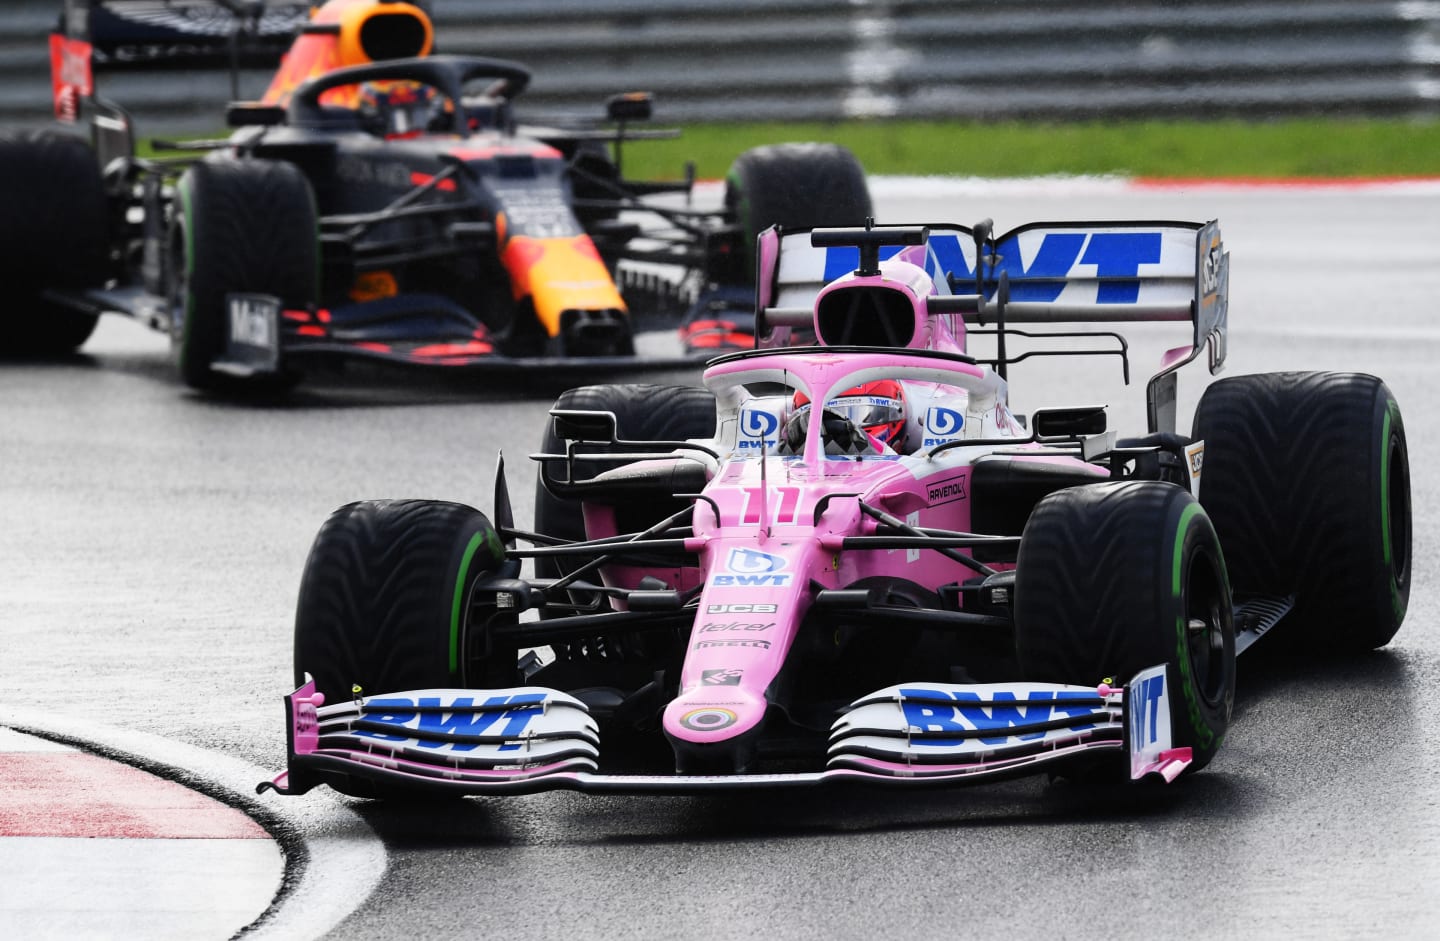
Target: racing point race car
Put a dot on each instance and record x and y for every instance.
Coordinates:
(904, 585)
(378, 202)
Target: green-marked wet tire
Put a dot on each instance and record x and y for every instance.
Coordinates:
(383, 598)
(1307, 479)
(1117, 577)
(240, 226)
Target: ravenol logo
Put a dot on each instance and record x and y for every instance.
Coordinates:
(943, 421)
(753, 562)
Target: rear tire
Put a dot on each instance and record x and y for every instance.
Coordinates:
(1116, 577)
(798, 186)
(1307, 480)
(53, 234)
(642, 413)
(240, 226)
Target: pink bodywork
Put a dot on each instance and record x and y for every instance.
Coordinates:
(772, 527)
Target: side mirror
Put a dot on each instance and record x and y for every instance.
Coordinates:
(253, 114)
(631, 106)
(579, 425)
(1068, 422)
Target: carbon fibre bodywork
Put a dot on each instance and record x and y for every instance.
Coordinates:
(448, 233)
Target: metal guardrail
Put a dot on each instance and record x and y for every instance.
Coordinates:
(823, 60)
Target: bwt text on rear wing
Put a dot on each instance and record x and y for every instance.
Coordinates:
(1041, 273)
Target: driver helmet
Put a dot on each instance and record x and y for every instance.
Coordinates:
(400, 108)
(877, 407)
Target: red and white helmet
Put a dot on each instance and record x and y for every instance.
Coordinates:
(877, 407)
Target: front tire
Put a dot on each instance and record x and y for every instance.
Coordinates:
(384, 596)
(1307, 479)
(240, 226)
(1116, 577)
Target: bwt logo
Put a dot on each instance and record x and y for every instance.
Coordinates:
(943, 421)
(1001, 712)
(1116, 257)
(753, 562)
(1145, 709)
(755, 423)
(399, 717)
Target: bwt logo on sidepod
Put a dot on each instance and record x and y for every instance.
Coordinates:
(942, 424)
(758, 427)
(753, 567)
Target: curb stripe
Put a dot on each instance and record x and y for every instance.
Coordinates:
(81, 795)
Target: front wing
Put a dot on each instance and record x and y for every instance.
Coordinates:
(411, 330)
(528, 739)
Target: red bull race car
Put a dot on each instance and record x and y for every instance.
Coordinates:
(378, 201)
(851, 562)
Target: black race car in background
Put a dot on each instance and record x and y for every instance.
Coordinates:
(379, 201)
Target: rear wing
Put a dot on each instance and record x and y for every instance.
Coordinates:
(105, 35)
(1041, 273)
(182, 33)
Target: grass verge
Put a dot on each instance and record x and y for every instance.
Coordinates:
(1284, 148)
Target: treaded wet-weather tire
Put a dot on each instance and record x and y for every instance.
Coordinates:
(240, 226)
(642, 413)
(53, 234)
(1307, 480)
(383, 603)
(1116, 577)
(799, 185)
(384, 596)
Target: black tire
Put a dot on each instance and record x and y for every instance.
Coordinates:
(1307, 479)
(1117, 577)
(799, 186)
(54, 223)
(383, 598)
(642, 413)
(239, 226)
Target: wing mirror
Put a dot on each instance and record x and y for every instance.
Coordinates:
(631, 106)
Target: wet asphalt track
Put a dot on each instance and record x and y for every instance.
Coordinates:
(151, 544)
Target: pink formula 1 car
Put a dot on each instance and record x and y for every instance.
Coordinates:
(847, 560)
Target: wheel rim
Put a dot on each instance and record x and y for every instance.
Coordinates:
(1205, 622)
(179, 292)
(1397, 510)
